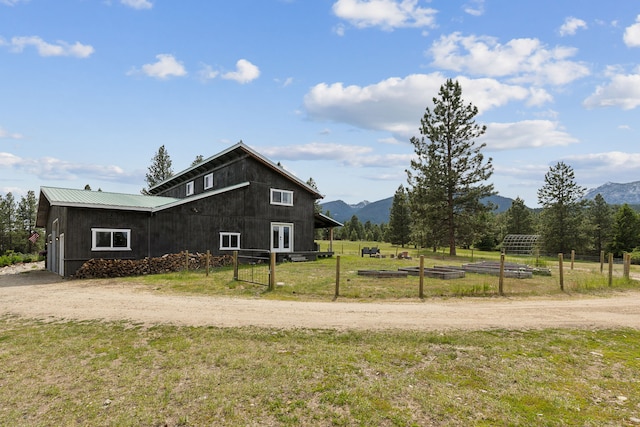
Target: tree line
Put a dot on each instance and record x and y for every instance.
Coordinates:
(18, 224)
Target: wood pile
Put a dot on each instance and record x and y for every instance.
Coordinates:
(105, 268)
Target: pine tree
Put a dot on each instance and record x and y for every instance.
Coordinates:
(601, 223)
(448, 178)
(561, 221)
(159, 170)
(519, 218)
(7, 223)
(626, 231)
(26, 220)
(399, 231)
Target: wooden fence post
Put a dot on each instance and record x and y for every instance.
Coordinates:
(272, 271)
(561, 270)
(235, 265)
(601, 261)
(337, 293)
(206, 263)
(186, 260)
(610, 269)
(501, 279)
(626, 260)
(421, 289)
(573, 257)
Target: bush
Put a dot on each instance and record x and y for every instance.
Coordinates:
(10, 258)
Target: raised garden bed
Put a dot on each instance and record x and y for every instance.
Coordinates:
(382, 273)
(436, 272)
(512, 270)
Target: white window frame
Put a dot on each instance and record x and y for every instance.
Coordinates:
(230, 236)
(190, 188)
(283, 194)
(94, 239)
(208, 181)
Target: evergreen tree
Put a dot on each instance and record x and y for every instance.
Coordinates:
(562, 226)
(448, 178)
(159, 170)
(601, 223)
(7, 223)
(199, 159)
(519, 218)
(399, 218)
(626, 231)
(26, 220)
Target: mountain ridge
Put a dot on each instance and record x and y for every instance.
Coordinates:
(378, 212)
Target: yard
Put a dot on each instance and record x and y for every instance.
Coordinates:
(187, 349)
(302, 281)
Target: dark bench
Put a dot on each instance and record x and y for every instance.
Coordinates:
(369, 251)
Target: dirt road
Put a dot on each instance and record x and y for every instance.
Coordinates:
(43, 295)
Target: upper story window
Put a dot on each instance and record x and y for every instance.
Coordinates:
(110, 239)
(208, 181)
(189, 188)
(281, 197)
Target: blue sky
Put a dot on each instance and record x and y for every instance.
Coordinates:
(332, 89)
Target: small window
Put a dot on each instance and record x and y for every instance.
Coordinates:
(281, 197)
(208, 181)
(189, 188)
(229, 240)
(106, 239)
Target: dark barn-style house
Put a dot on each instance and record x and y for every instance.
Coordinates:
(234, 200)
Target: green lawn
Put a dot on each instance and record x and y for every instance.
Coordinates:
(316, 280)
(91, 373)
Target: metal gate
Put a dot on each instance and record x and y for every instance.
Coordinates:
(253, 266)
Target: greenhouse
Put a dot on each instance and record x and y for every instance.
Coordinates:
(521, 244)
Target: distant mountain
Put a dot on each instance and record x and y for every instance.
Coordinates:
(617, 194)
(378, 212)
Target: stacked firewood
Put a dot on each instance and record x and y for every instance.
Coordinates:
(103, 268)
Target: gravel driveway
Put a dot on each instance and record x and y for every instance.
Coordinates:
(39, 294)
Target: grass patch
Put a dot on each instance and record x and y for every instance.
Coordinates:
(316, 280)
(91, 373)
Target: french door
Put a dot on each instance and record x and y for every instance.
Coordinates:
(281, 237)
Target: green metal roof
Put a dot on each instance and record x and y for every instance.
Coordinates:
(88, 198)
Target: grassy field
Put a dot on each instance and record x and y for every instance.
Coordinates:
(316, 280)
(90, 373)
(122, 374)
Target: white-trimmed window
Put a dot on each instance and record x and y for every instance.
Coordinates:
(229, 240)
(208, 181)
(189, 188)
(110, 239)
(281, 197)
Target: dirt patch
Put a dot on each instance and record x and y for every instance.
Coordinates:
(35, 293)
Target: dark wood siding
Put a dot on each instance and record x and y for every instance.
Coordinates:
(78, 236)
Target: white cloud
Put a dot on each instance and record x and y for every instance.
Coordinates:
(632, 34)
(623, 91)
(387, 14)
(395, 104)
(207, 72)
(598, 166)
(348, 155)
(9, 135)
(520, 60)
(245, 72)
(525, 134)
(571, 25)
(166, 66)
(49, 168)
(61, 48)
(474, 7)
(12, 2)
(137, 4)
